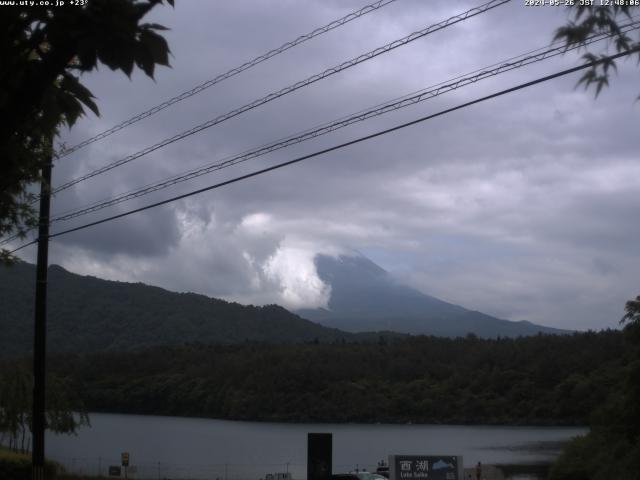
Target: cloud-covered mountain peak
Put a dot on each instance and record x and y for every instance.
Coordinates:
(365, 297)
(348, 267)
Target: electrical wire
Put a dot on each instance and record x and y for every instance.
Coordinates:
(340, 146)
(390, 46)
(204, 169)
(512, 63)
(291, 88)
(224, 76)
(381, 109)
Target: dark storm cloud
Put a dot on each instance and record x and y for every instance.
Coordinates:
(516, 207)
(147, 235)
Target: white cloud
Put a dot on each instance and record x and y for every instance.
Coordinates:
(523, 206)
(293, 268)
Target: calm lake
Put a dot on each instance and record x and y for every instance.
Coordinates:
(176, 447)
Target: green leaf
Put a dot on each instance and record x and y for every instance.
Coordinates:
(82, 93)
(127, 65)
(88, 59)
(71, 108)
(153, 26)
(144, 60)
(602, 81)
(156, 45)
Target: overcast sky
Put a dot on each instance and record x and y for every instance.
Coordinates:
(523, 207)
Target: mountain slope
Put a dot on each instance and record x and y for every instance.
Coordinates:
(364, 297)
(89, 314)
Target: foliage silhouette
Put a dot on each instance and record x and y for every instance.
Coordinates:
(44, 50)
(612, 447)
(16, 406)
(593, 19)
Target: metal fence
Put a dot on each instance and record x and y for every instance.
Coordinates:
(108, 466)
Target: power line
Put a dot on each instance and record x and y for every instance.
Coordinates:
(224, 76)
(296, 86)
(342, 145)
(512, 63)
(381, 109)
(23, 246)
(414, 36)
(16, 236)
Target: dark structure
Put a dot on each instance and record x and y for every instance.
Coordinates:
(319, 456)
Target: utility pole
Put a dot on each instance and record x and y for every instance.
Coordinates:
(40, 330)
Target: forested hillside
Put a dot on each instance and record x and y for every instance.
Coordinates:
(88, 314)
(541, 380)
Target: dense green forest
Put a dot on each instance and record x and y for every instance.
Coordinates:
(541, 380)
(611, 449)
(88, 314)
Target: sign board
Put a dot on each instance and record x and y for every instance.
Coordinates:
(425, 467)
(114, 471)
(125, 459)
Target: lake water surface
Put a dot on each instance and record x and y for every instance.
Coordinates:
(176, 447)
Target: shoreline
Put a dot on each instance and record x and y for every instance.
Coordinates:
(286, 421)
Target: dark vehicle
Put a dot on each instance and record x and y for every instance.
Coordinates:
(370, 476)
(344, 476)
(358, 476)
(383, 469)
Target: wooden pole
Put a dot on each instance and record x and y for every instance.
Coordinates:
(40, 327)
